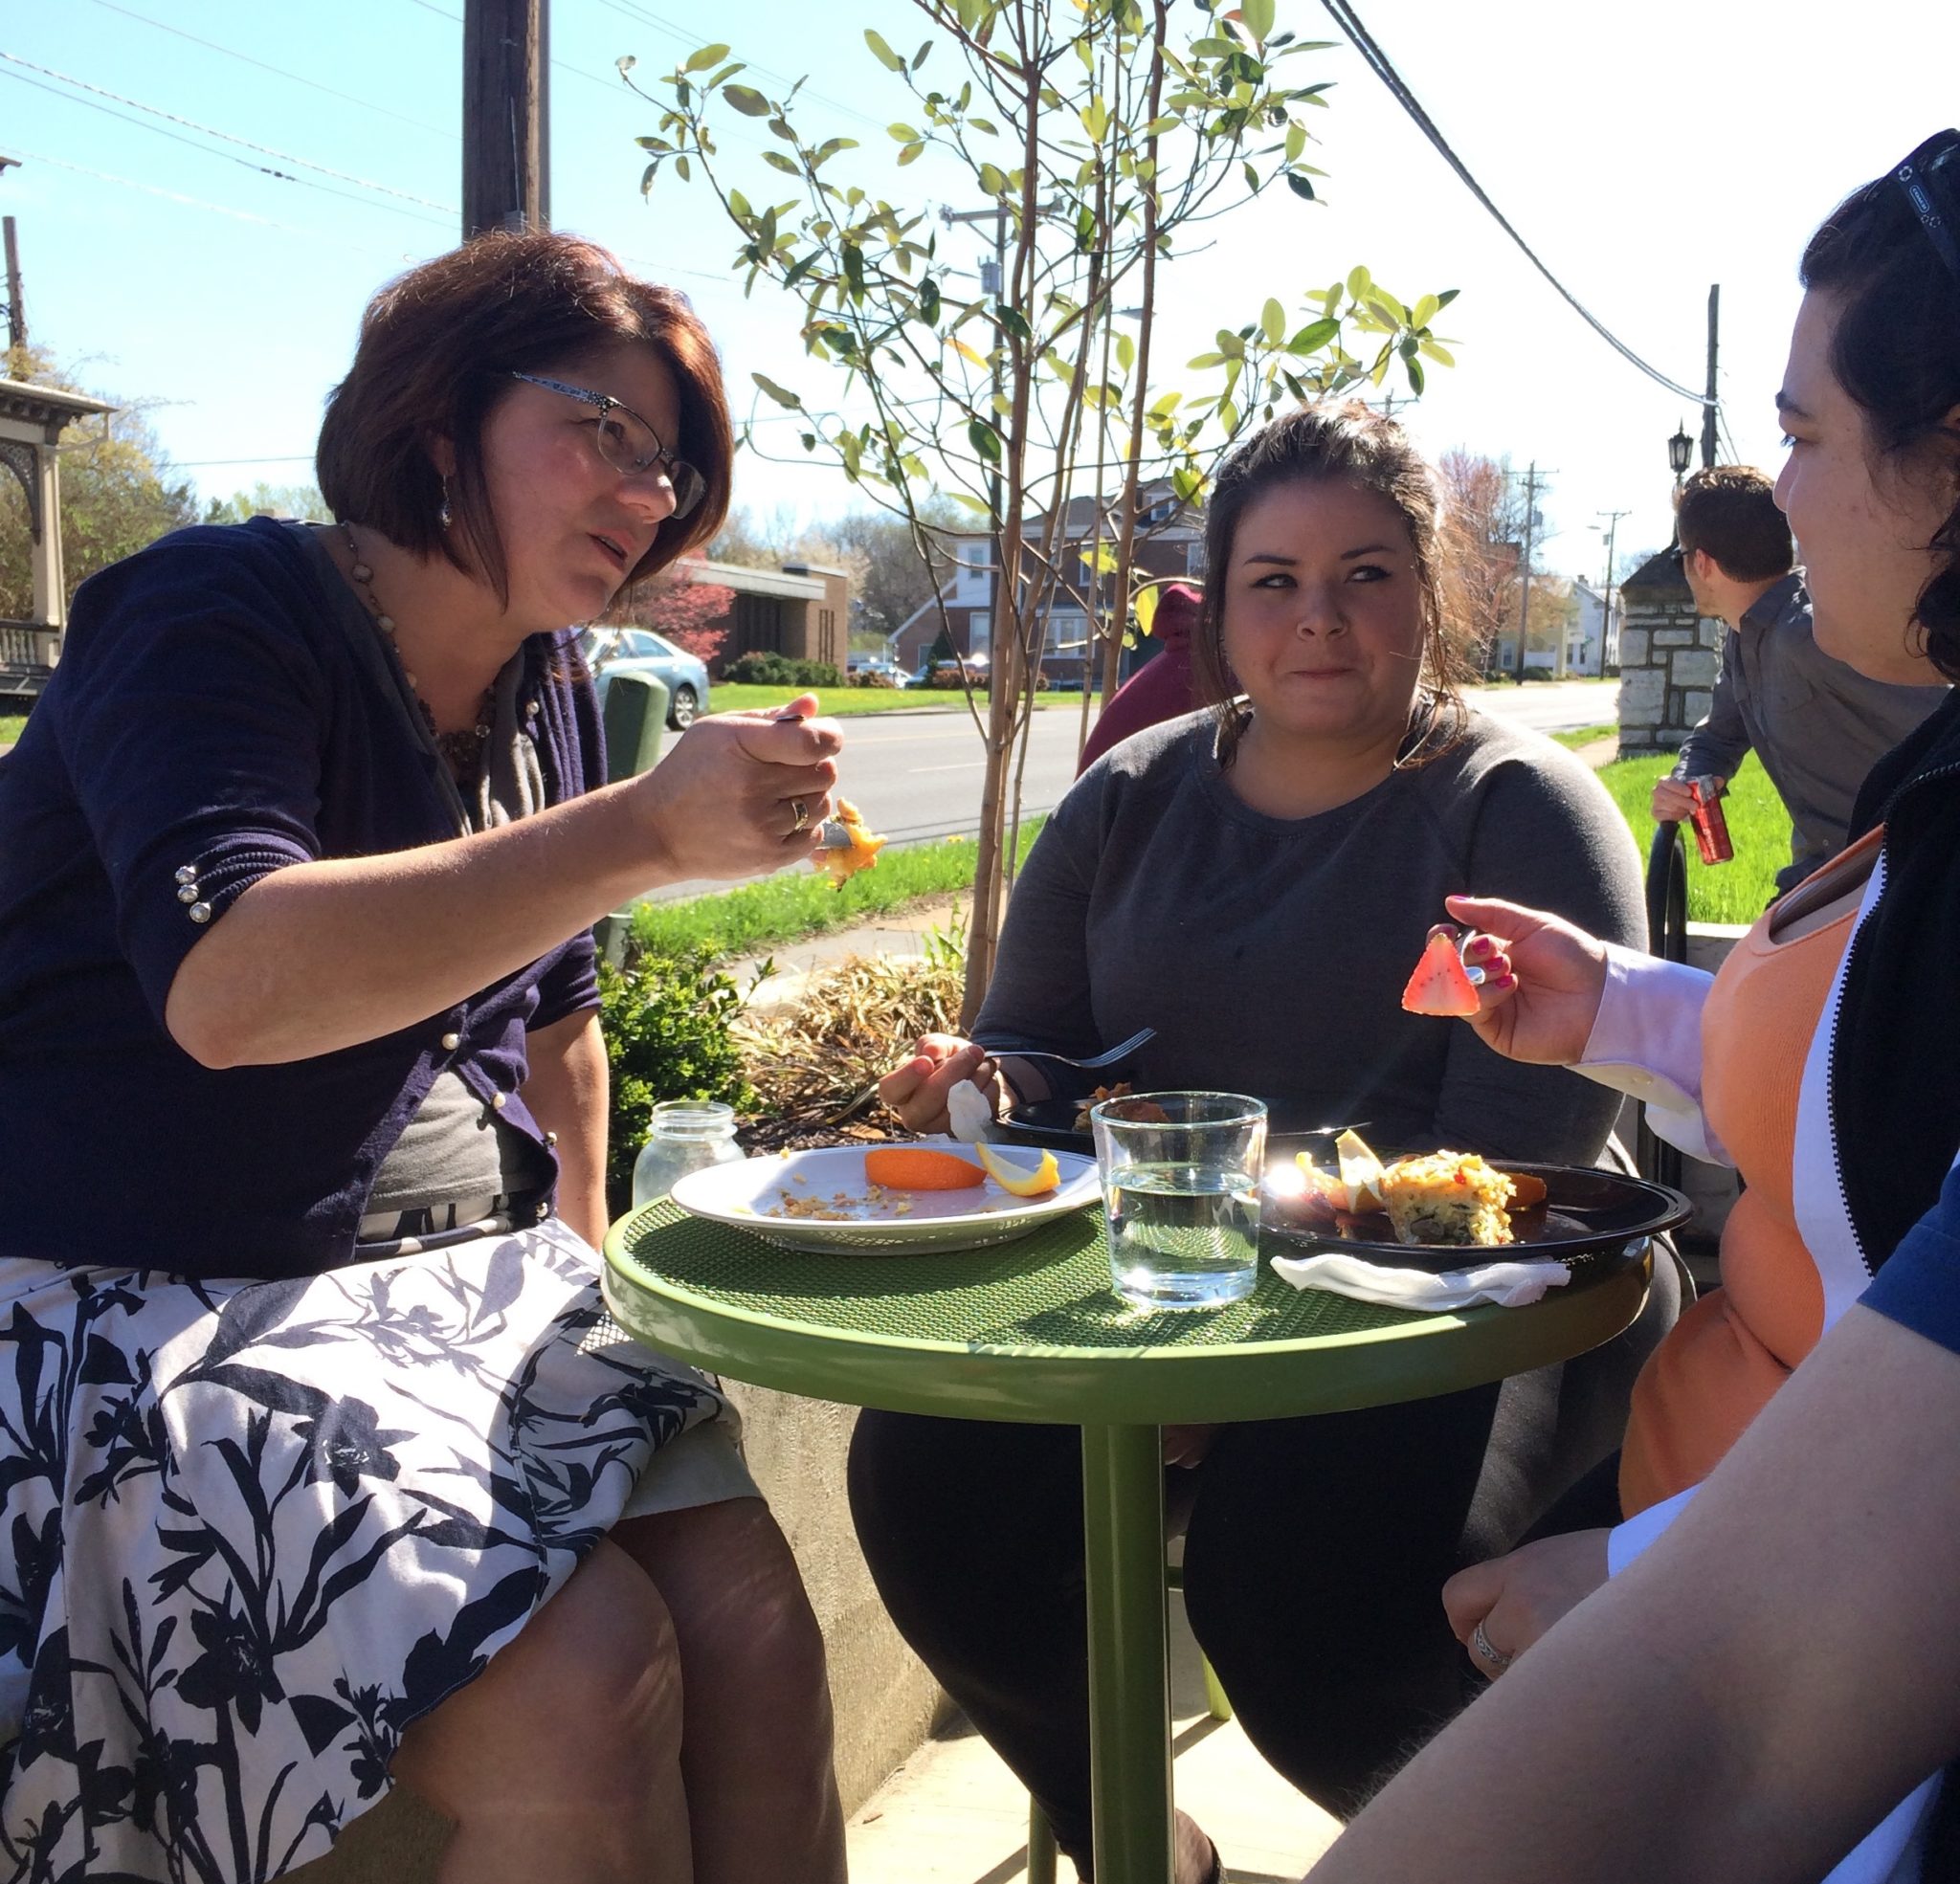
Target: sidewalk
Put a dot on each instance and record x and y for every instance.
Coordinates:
(953, 1814)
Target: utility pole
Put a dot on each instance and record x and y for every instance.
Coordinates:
(1612, 518)
(1525, 566)
(1709, 403)
(16, 304)
(506, 115)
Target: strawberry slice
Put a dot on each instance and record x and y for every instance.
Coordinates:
(1440, 985)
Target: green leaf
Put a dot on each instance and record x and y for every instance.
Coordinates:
(1146, 607)
(1272, 322)
(1414, 371)
(919, 58)
(1312, 336)
(1425, 311)
(904, 133)
(1301, 186)
(781, 395)
(1257, 17)
(751, 104)
(776, 161)
(1359, 282)
(886, 57)
(971, 503)
(1095, 117)
(1126, 352)
(985, 439)
(1014, 323)
(910, 154)
(707, 56)
(802, 268)
(992, 179)
(1296, 143)
(681, 168)
(1441, 355)
(928, 301)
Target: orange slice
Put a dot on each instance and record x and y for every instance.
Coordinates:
(920, 1168)
(1017, 1176)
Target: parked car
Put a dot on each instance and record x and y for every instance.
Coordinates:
(861, 665)
(610, 650)
(945, 674)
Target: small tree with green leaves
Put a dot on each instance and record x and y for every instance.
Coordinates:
(1099, 141)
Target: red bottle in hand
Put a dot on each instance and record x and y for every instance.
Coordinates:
(1711, 828)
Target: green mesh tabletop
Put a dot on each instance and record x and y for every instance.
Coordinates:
(1032, 1330)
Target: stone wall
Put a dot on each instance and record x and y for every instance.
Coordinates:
(1668, 659)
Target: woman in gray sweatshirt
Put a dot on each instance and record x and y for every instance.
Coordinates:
(1256, 883)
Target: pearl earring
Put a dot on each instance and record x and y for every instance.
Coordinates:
(444, 514)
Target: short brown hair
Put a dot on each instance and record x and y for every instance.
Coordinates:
(1344, 443)
(436, 347)
(1730, 511)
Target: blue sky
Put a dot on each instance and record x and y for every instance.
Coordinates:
(1645, 153)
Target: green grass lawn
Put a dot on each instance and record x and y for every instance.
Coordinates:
(793, 905)
(838, 702)
(1587, 735)
(12, 726)
(1758, 827)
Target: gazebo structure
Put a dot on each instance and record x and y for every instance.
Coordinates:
(31, 422)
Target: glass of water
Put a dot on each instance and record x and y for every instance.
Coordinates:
(1180, 1176)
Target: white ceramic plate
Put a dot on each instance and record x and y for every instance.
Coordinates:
(754, 1196)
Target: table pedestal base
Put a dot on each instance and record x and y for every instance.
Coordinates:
(1130, 1686)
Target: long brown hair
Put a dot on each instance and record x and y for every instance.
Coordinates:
(437, 345)
(1344, 443)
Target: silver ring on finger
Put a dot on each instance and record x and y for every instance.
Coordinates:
(802, 811)
(1487, 1652)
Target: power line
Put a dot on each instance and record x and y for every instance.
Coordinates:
(176, 137)
(1377, 62)
(298, 78)
(190, 123)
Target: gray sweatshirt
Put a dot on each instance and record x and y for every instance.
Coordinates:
(1270, 953)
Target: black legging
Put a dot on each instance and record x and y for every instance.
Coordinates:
(1313, 1562)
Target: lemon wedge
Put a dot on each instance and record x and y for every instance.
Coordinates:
(1361, 1171)
(1015, 1176)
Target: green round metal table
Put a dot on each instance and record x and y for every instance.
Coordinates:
(1033, 1331)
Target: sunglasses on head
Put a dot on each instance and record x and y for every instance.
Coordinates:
(1928, 179)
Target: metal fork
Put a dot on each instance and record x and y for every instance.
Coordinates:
(1115, 1054)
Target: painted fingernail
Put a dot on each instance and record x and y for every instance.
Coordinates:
(1502, 981)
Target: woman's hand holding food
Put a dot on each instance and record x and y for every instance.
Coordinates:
(1498, 1609)
(916, 1088)
(1542, 980)
(741, 793)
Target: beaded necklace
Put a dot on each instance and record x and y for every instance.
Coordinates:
(462, 752)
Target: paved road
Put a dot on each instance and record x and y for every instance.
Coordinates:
(917, 775)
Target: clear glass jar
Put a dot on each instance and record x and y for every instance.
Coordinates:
(687, 1135)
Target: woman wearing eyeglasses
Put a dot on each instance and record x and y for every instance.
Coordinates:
(320, 1465)
(1764, 1686)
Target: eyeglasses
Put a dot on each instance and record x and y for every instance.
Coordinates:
(630, 445)
(1919, 178)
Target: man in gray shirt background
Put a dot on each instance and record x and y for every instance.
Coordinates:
(1816, 725)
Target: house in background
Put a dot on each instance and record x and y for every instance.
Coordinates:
(1593, 639)
(801, 610)
(31, 418)
(1170, 544)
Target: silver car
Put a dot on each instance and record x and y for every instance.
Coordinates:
(610, 650)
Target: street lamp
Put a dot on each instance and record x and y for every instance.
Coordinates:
(1681, 453)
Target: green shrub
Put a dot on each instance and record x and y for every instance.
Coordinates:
(872, 676)
(668, 1022)
(758, 669)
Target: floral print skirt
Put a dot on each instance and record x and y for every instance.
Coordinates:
(249, 1531)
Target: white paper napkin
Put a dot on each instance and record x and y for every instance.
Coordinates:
(1508, 1284)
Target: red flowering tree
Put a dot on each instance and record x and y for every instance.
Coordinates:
(691, 614)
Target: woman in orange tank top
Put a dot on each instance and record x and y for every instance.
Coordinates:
(1764, 1697)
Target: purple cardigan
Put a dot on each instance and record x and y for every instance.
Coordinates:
(219, 712)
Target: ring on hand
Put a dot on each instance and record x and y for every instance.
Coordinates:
(802, 823)
(1488, 1653)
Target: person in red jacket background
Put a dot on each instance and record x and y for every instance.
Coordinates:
(1162, 688)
